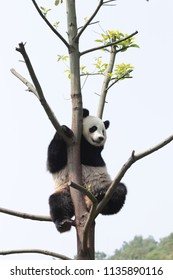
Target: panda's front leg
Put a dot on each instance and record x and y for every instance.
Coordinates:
(61, 210)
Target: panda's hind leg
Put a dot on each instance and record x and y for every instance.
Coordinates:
(117, 200)
(61, 209)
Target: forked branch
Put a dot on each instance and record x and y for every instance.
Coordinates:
(50, 25)
(90, 19)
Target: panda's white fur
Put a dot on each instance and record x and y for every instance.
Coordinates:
(92, 176)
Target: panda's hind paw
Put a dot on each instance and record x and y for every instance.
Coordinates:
(64, 225)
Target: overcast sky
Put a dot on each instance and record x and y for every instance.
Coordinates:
(139, 109)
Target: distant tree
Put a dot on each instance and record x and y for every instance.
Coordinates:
(135, 249)
(145, 249)
(164, 250)
(100, 256)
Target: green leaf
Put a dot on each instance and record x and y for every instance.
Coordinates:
(57, 2)
(45, 11)
(56, 24)
(99, 41)
(135, 46)
(62, 57)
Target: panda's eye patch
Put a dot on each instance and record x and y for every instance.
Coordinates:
(93, 129)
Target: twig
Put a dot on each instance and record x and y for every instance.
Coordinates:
(89, 20)
(83, 190)
(109, 45)
(108, 1)
(25, 215)
(120, 78)
(133, 158)
(35, 251)
(91, 23)
(50, 25)
(30, 87)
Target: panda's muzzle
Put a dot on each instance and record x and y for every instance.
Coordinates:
(99, 140)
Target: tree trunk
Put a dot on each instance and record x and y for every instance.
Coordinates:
(75, 172)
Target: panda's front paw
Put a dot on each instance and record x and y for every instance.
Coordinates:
(63, 226)
(68, 132)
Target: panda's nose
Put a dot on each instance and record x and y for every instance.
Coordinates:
(101, 138)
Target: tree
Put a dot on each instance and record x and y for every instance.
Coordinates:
(84, 220)
(137, 249)
(145, 249)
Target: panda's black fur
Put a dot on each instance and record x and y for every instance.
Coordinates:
(94, 172)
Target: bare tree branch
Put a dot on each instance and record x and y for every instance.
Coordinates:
(25, 215)
(33, 251)
(38, 92)
(50, 25)
(108, 45)
(133, 158)
(30, 87)
(89, 20)
(108, 1)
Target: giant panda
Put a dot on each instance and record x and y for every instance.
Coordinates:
(94, 172)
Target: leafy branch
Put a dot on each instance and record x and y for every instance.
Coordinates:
(109, 44)
(124, 75)
(118, 42)
(123, 41)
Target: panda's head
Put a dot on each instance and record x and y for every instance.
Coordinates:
(94, 129)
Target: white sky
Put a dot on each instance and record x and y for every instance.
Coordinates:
(139, 109)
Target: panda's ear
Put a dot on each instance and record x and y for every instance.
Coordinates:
(85, 113)
(106, 123)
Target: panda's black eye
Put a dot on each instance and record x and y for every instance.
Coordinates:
(93, 129)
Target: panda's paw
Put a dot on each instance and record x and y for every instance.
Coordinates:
(100, 195)
(68, 132)
(64, 225)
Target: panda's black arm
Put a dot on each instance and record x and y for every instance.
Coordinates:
(57, 152)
